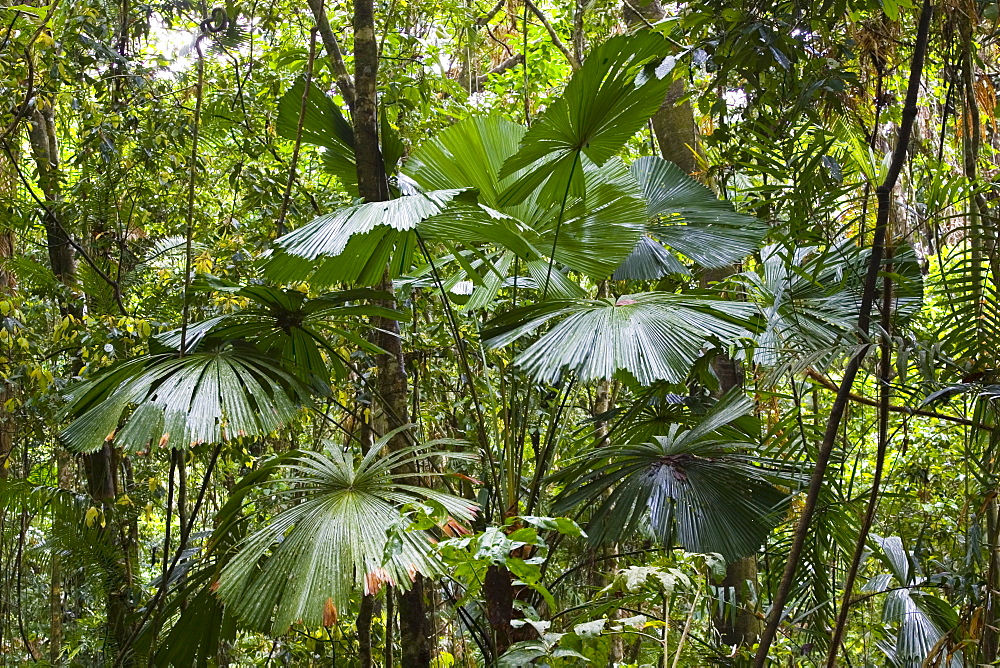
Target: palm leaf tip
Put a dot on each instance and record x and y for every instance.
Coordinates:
(606, 101)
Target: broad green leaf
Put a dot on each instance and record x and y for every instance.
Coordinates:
(606, 102)
(692, 486)
(595, 232)
(204, 397)
(690, 219)
(323, 125)
(310, 559)
(354, 244)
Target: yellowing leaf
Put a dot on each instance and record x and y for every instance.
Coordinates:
(91, 516)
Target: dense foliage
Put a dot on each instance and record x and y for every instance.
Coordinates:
(458, 333)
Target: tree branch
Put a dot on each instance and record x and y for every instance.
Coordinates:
(513, 61)
(333, 52)
(884, 195)
(828, 384)
(488, 16)
(573, 62)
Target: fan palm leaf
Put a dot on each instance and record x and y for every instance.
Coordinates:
(595, 231)
(923, 619)
(204, 397)
(688, 218)
(651, 336)
(809, 298)
(621, 84)
(288, 325)
(692, 486)
(307, 561)
(354, 244)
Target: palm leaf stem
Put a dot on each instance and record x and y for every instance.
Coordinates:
(555, 236)
(884, 195)
(189, 215)
(542, 464)
(484, 441)
(161, 590)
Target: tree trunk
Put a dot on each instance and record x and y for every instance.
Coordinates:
(499, 596)
(373, 186)
(100, 466)
(8, 284)
(676, 132)
(364, 625)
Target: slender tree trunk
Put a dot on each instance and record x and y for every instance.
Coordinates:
(373, 186)
(390, 615)
(64, 467)
(100, 466)
(8, 284)
(365, 630)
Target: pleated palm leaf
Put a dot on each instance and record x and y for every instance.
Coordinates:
(589, 227)
(809, 298)
(921, 619)
(356, 243)
(241, 373)
(287, 325)
(693, 486)
(204, 397)
(589, 234)
(335, 540)
(650, 336)
(808, 317)
(690, 220)
(618, 88)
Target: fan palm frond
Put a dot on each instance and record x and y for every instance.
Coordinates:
(595, 231)
(204, 397)
(651, 336)
(310, 558)
(692, 485)
(922, 619)
(688, 218)
(354, 244)
(289, 326)
(621, 84)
